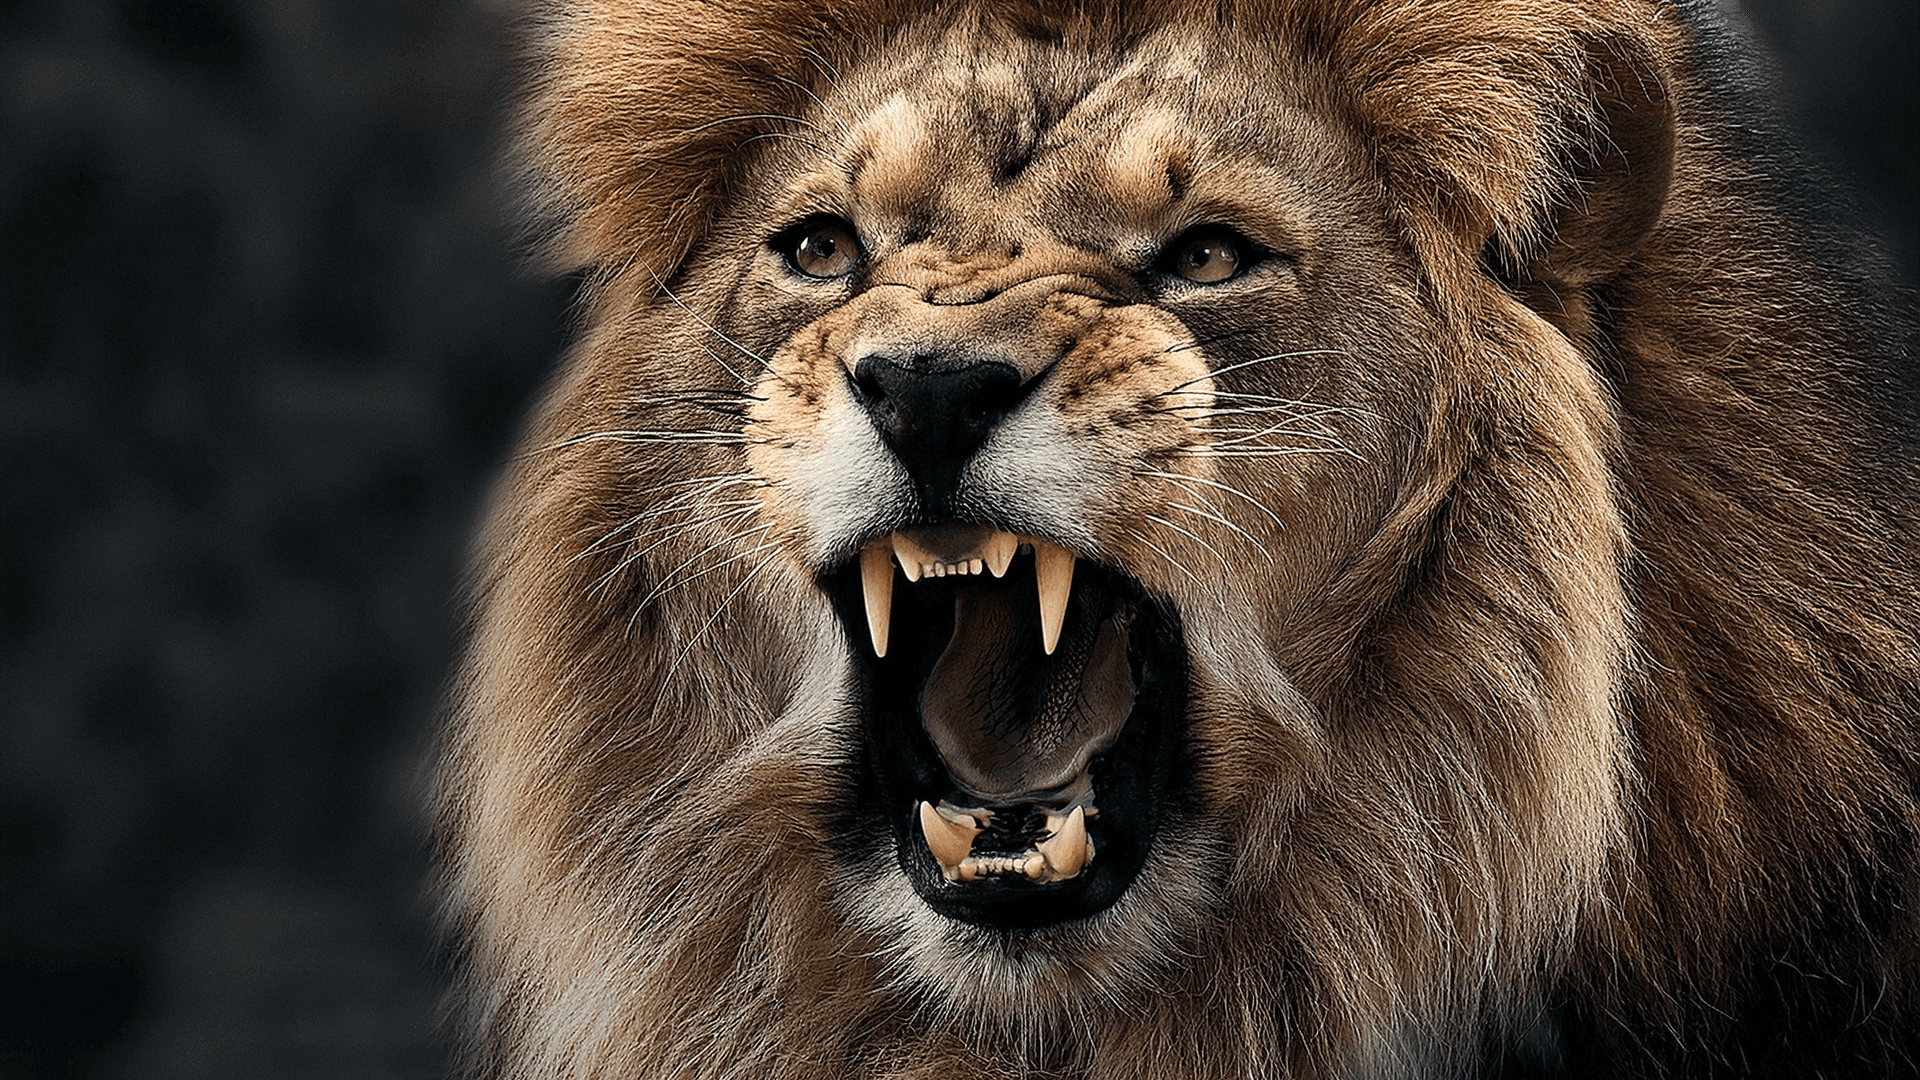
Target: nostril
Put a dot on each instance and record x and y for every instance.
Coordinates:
(866, 384)
(998, 390)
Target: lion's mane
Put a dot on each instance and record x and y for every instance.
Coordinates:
(1601, 754)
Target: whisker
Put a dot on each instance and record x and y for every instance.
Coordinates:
(666, 588)
(1262, 451)
(717, 398)
(1297, 409)
(1272, 399)
(823, 65)
(686, 499)
(667, 582)
(733, 506)
(672, 532)
(668, 292)
(719, 609)
(696, 435)
(801, 139)
(1217, 372)
(1170, 560)
(737, 117)
(673, 529)
(1195, 537)
(845, 133)
(1200, 343)
(678, 502)
(1252, 539)
(1320, 433)
(668, 396)
(1185, 478)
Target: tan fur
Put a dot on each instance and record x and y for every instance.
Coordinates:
(1582, 673)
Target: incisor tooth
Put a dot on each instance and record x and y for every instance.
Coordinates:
(949, 842)
(876, 582)
(998, 552)
(1068, 849)
(1053, 569)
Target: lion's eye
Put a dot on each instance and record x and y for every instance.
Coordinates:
(1208, 257)
(823, 248)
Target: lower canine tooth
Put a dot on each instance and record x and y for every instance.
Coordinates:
(1053, 569)
(949, 842)
(876, 582)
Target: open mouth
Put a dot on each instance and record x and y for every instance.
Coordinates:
(1022, 713)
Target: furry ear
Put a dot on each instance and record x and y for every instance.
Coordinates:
(1619, 180)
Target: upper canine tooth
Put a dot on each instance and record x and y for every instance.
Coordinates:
(1053, 569)
(949, 842)
(998, 552)
(876, 582)
(1069, 849)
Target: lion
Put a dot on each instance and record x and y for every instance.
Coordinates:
(1307, 538)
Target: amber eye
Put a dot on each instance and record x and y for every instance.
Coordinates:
(823, 248)
(1208, 257)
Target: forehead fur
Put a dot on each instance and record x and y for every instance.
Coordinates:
(639, 111)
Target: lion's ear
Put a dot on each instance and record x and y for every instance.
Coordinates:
(1619, 178)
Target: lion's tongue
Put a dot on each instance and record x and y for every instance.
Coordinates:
(1012, 723)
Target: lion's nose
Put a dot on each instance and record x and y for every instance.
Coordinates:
(935, 411)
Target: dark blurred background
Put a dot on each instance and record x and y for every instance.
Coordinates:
(262, 339)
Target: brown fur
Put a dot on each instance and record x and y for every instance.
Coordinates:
(1566, 716)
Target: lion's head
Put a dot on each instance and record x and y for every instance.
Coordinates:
(1063, 532)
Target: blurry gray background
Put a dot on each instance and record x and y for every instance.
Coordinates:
(261, 342)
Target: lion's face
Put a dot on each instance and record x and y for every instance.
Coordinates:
(1079, 394)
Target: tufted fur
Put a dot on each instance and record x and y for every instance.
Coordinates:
(1567, 720)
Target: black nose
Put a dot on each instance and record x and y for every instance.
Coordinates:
(935, 412)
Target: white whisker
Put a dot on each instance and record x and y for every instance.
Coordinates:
(667, 581)
(737, 117)
(697, 435)
(846, 134)
(1247, 435)
(672, 531)
(719, 609)
(661, 284)
(1213, 517)
(1170, 560)
(1195, 537)
(1217, 372)
(1185, 478)
(1208, 451)
(721, 565)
